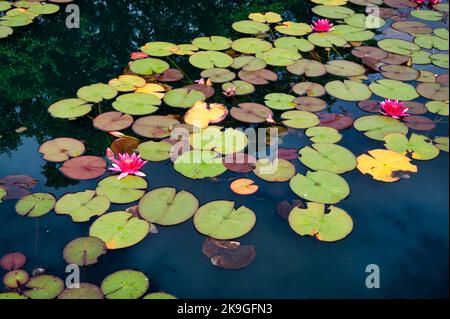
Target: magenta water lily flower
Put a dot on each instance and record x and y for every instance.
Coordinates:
(126, 164)
(322, 25)
(394, 108)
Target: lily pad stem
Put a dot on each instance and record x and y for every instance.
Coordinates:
(179, 69)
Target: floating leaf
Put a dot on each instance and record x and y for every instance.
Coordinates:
(300, 119)
(164, 206)
(11, 295)
(159, 49)
(250, 27)
(70, 108)
(226, 141)
(248, 63)
(35, 205)
(96, 93)
(84, 167)
(127, 83)
(244, 186)
(82, 206)
(15, 279)
(411, 27)
(113, 121)
(277, 170)
(155, 151)
(442, 143)
(44, 287)
(240, 87)
(123, 191)
(279, 57)
(137, 103)
(294, 44)
(328, 157)
(310, 68)
(331, 226)
(321, 186)
(398, 46)
(61, 149)
(333, 11)
(344, 68)
(418, 146)
(326, 39)
(251, 45)
(183, 98)
(337, 121)
(433, 91)
(119, 230)
(394, 90)
(419, 123)
(310, 104)
(84, 291)
(213, 43)
(323, 134)
(384, 164)
(155, 126)
(348, 90)
(84, 251)
(360, 20)
(210, 59)
(377, 126)
(218, 75)
(228, 254)
(428, 15)
(198, 164)
(267, 17)
(13, 261)
(17, 186)
(438, 107)
(125, 284)
(440, 60)
(399, 72)
(432, 42)
(125, 145)
(220, 220)
(280, 101)
(240, 162)
(149, 66)
(309, 89)
(294, 28)
(261, 77)
(159, 296)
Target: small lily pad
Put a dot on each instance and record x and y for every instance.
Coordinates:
(149, 66)
(84, 167)
(123, 191)
(84, 291)
(333, 11)
(137, 103)
(43, 287)
(433, 91)
(183, 98)
(300, 119)
(277, 170)
(155, 151)
(294, 44)
(155, 126)
(310, 104)
(15, 279)
(84, 251)
(61, 149)
(280, 101)
(70, 108)
(159, 49)
(248, 63)
(113, 121)
(322, 134)
(13, 261)
(228, 254)
(199, 164)
(240, 87)
(442, 143)
(125, 284)
(418, 146)
(96, 93)
(348, 90)
(345, 68)
(260, 77)
(438, 107)
(82, 206)
(35, 205)
(218, 75)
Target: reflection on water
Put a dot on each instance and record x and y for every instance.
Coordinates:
(402, 227)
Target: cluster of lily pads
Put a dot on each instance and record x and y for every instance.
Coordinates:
(20, 13)
(269, 50)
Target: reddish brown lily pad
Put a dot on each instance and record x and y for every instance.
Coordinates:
(370, 106)
(416, 108)
(400, 4)
(240, 162)
(171, 75)
(207, 90)
(310, 104)
(287, 153)
(84, 167)
(124, 145)
(284, 208)
(228, 254)
(13, 261)
(419, 123)
(309, 89)
(17, 186)
(61, 149)
(155, 126)
(442, 79)
(251, 113)
(369, 52)
(261, 77)
(113, 121)
(395, 59)
(433, 91)
(399, 72)
(337, 121)
(412, 27)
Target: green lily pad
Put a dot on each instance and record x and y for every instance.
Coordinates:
(278, 170)
(127, 83)
(155, 151)
(124, 191)
(149, 66)
(125, 284)
(398, 46)
(442, 143)
(84, 291)
(421, 57)
(440, 59)
(159, 49)
(279, 57)
(332, 226)
(442, 33)
(399, 72)
(300, 119)
(183, 98)
(210, 59)
(333, 12)
(82, 206)
(352, 34)
(326, 39)
(348, 90)
(394, 90)
(119, 230)
(377, 126)
(280, 101)
(4, 5)
(323, 134)
(438, 107)
(310, 68)
(418, 146)
(251, 45)
(294, 44)
(294, 28)
(96, 93)
(164, 206)
(223, 141)
(321, 186)
(11, 295)
(248, 63)
(214, 43)
(45, 8)
(84, 251)
(159, 296)
(250, 27)
(220, 220)
(432, 42)
(35, 205)
(218, 75)
(360, 20)
(267, 17)
(241, 87)
(70, 108)
(328, 157)
(428, 15)
(345, 68)
(137, 103)
(412, 27)
(199, 164)
(15, 278)
(44, 287)
(3, 194)
(5, 31)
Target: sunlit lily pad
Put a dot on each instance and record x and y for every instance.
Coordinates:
(5, 31)
(210, 59)
(155, 126)
(15, 279)
(82, 206)
(241, 87)
(123, 191)
(442, 143)
(113, 121)
(428, 15)
(267, 17)
(250, 27)
(84, 251)
(154, 89)
(203, 114)
(223, 141)
(213, 43)
(127, 83)
(125, 145)
(432, 42)
(310, 68)
(125, 284)
(394, 90)
(251, 45)
(137, 103)
(13, 261)
(333, 11)
(220, 220)
(294, 28)
(383, 165)
(44, 287)
(321, 134)
(412, 27)
(155, 151)
(44, 8)
(279, 56)
(84, 167)
(377, 126)
(199, 164)
(398, 46)
(329, 226)
(218, 75)
(280, 101)
(159, 49)
(294, 44)
(360, 20)
(164, 206)
(327, 39)
(84, 291)
(352, 34)
(344, 68)
(348, 90)
(35, 205)
(300, 119)
(440, 59)
(149, 66)
(248, 63)
(119, 230)
(70, 108)
(244, 186)
(438, 107)
(321, 186)
(277, 170)
(96, 93)
(11, 295)
(183, 98)
(433, 91)
(328, 157)
(418, 146)
(61, 149)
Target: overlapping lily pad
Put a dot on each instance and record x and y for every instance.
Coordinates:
(82, 206)
(198, 164)
(277, 170)
(328, 157)
(43, 287)
(377, 126)
(183, 98)
(394, 90)
(123, 191)
(61, 149)
(155, 151)
(149, 66)
(137, 103)
(417, 146)
(300, 119)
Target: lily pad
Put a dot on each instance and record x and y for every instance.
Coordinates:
(155, 151)
(412, 27)
(294, 28)
(399, 72)
(13, 261)
(84, 291)
(159, 49)
(155, 126)
(309, 89)
(330, 226)
(70, 108)
(360, 20)
(251, 45)
(328, 157)
(84, 167)
(398, 46)
(35, 205)
(428, 15)
(267, 17)
(310, 68)
(442, 143)
(394, 90)
(159, 296)
(228, 254)
(440, 60)
(218, 75)
(210, 59)
(438, 107)
(15, 279)
(419, 123)
(113, 121)
(213, 43)
(279, 56)
(11, 295)
(125, 284)
(137, 103)
(383, 165)
(352, 34)
(310, 104)
(96, 93)
(321, 186)
(335, 120)
(183, 98)
(223, 141)
(327, 40)
(294, 44)
(248, 63)
(127, 83)
(5, 31)
(433, 91)
(43, 287)
(164, 206)
(260, 77)
(277, 170)
(241, 87)
(220, 220)
(348, 90)
(199, 164)
(119, 230)
(432, 42)
(82, 206)
(149, 66)
(280, 101)
(239, 162)
(84, 251)
(61, 149)
(322, 134)
(377, 126)
(333, 11)
(345, 68)
(123, 191)
(418, 146)
(250, 27)
(300, 119)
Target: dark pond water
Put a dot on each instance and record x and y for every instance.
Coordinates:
(402, 227)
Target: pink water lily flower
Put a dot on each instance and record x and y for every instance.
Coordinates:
(434, 2)
(322, 25)
(394, 108)
(126, 164)
(229, 92)
(419, 1)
